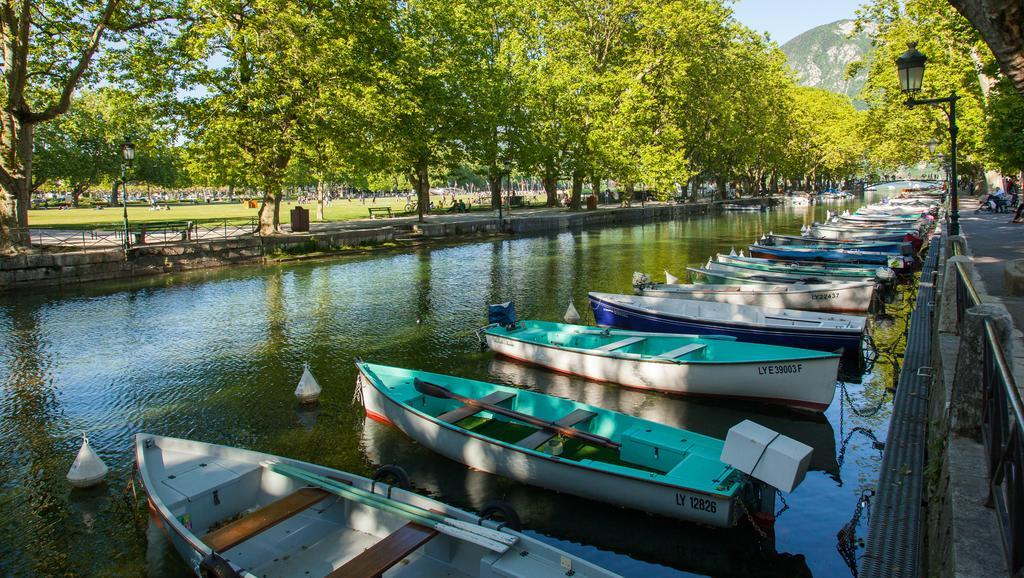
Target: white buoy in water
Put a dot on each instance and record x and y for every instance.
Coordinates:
(571, 315)
(670, 279)
(308, 390)
(88, 469)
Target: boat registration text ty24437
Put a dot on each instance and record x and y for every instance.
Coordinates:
(780, 369)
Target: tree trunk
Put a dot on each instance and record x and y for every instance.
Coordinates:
(722, 190)
(1001, 24)
(422, 184)
(321, 193)
(550, 180)
(115, 189)
(595, 186)
(494, 182)
(270, 210)
(577, 191)
(76, 194)
(628, 191)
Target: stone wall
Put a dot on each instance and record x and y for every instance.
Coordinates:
(35, 270)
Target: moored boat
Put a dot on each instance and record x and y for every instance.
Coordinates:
(856, 270)
(801, 274)
(832, 255)
(235, 512)
(673, 363)
(897, 247)
(850, 297)
(790, 327)
(564, 445)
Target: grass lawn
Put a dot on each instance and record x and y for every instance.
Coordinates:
(237, 213)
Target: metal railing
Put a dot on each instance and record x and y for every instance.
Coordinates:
(107, 237)
(1002, 425)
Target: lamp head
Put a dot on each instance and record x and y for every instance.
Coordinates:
(910, 66)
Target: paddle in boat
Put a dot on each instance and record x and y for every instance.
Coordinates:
(584, 450)
(238, 513)
(852, 297)
(789, 327)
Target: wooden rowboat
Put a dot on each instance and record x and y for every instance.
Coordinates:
(673, 363)
(852, 297)
(564, 445)
(789, 327)
(233, 512)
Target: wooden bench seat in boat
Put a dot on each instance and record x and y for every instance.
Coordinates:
(537, 438)
(270, 515)
(461, 413)
(681, 351)
(620, 344)
(376, 559)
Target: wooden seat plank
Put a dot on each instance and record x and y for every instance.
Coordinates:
(620, 344)
(681, 351)
(539, 437)
(465, 411)
(376, 559)
(270, 515)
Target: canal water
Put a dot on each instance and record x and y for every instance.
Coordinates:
(215, 356)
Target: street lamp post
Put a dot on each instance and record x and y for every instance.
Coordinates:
(127, 156)
(910, 66)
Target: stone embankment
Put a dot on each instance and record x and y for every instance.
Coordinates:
(962, 534)
(43, 269)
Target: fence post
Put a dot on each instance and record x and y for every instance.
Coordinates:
(948, 304)
(968, 389)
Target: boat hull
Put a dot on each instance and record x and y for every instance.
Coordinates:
(615, 315)
(534, 468)
(807, 384)
(854, 298)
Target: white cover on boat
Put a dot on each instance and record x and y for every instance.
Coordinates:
(767, 455)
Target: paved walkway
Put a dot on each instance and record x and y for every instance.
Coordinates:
(994, 240)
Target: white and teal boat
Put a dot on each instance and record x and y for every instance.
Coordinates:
(237, 513)
(855, 297)
(564, 445)
(674, 363)
(851, 273)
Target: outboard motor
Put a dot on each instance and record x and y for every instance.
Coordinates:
(503, 314)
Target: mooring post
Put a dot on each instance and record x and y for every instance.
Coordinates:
(967, 395)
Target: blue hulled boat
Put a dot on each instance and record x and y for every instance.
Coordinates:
(789, 327)
(831, 255)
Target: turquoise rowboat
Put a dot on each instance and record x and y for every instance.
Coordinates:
(674, 363)
(564, 445)
(855, 273)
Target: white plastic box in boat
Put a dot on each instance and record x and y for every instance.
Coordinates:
(773, 458)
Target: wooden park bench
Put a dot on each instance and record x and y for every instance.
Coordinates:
(181, 230)
(374, 211)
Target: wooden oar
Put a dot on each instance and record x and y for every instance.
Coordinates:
(491, 539)
(434, 390)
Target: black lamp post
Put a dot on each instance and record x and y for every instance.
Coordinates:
(127, 156)
(910, 66)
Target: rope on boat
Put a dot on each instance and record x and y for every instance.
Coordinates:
(847, 541)
(853, 406)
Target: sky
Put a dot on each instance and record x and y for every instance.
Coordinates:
(784, 19)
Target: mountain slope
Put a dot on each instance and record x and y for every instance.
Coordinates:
(821, 55)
